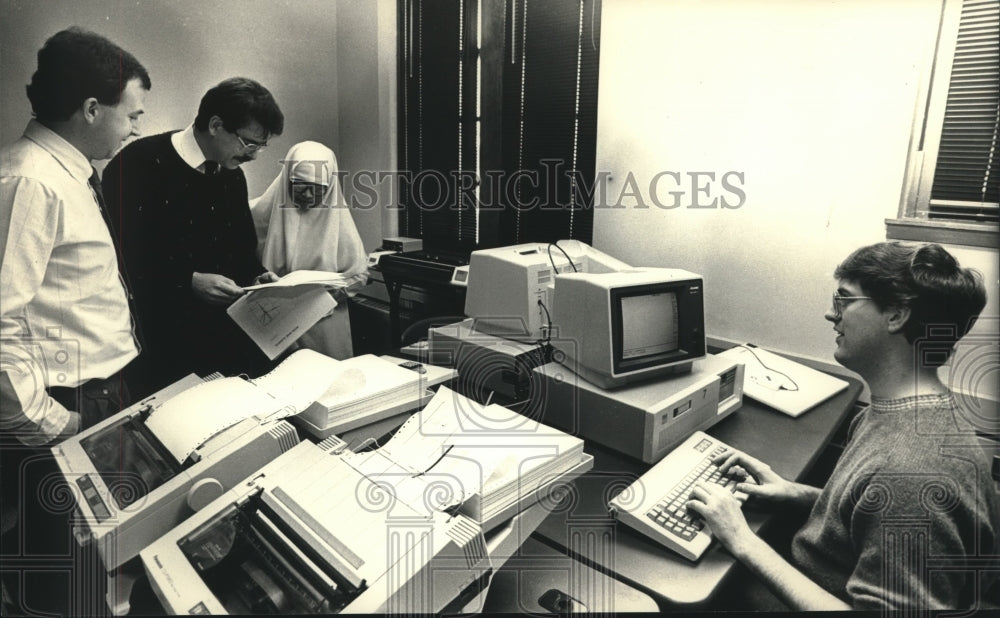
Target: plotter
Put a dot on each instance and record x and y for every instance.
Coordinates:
(415, 525)
(144, 470)
(206, 477)
(130, 489)
(265, 548)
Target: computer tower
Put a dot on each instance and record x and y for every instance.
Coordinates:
(644, 420)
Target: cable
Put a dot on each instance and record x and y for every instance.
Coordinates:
(554, 268)
(548, 317)
(772, 370)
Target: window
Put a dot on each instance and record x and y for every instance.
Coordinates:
(952, 188)
(550, 118)
(498, 120)
(439, 120)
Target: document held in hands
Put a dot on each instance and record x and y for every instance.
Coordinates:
(275, 314)
(305, 277)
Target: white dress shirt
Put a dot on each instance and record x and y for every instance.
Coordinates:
(64, 317)
(187, 147)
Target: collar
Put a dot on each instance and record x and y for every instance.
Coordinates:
(913, 402)
(75, 162)
(187, 147)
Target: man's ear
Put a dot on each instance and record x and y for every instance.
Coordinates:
(898, 317)
(91, 110)
(215, 126)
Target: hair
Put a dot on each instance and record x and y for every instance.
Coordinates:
(238, 101)
(944, 299)
(75, 65)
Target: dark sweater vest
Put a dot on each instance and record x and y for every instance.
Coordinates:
(176, 221)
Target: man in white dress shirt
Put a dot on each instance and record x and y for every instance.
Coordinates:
(65, 323)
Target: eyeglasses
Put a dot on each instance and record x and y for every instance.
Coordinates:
(840, 302)
(250, 146)
(307, 194)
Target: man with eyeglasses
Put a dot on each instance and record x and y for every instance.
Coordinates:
(189, 240)
(909, 518)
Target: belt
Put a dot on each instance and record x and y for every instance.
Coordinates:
(69, 396)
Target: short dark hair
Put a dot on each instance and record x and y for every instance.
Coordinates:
(75, 65)
(944, 299)
(238, 101)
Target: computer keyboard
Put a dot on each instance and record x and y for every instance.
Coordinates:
(654, 503)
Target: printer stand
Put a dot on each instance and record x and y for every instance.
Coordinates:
(120, 583)
(503, 542)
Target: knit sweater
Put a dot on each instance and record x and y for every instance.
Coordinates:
(910, 499)
(176, 221)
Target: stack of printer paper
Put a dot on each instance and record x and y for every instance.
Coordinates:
(486, 462)
(362, 389)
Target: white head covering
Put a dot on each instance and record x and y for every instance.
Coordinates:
(320, 238)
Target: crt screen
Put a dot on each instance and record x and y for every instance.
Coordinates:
(649, 325)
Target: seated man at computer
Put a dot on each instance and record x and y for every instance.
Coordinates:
(911, 497)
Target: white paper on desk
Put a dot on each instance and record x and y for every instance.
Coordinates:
(305, 277)
(187, 420)
(365, 379)
(274, 317)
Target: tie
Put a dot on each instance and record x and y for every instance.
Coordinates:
(95, 184)
(211, 167)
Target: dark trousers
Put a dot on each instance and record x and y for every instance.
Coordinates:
(41, 562)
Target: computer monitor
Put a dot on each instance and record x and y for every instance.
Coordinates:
(509, 288)
(616, 328)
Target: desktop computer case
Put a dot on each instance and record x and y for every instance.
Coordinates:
(645, 420)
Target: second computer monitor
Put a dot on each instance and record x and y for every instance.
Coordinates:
(616, 328)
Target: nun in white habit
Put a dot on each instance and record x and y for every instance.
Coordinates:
(303, 223)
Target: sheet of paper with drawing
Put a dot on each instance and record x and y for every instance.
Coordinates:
(274, 316)
(783, 384)
(456, 452)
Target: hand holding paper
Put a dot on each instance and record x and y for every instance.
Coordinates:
(275, 314)
(304, 277)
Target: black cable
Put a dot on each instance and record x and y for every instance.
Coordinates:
(556, 245)
(548, 317)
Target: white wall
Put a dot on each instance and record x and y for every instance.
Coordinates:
(366, 64)
(293, 47)
(811, 101)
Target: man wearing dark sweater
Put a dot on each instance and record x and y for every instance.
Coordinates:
(187, 236)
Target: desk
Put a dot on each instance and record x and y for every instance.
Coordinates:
(582, 528)
(433, 278)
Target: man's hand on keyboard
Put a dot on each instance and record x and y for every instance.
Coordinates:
(757, 479)
(721, 511)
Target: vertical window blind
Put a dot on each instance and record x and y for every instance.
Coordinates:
(543, 133)
(550, 118)
(438, 146)
(966, 184)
